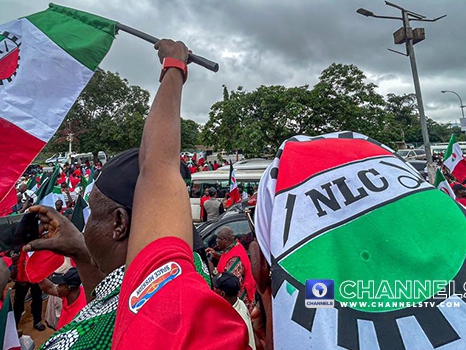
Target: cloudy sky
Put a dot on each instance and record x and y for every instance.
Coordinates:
(260, 42)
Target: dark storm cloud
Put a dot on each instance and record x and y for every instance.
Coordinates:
(283, 42)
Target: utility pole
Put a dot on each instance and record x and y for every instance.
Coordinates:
(410, 36)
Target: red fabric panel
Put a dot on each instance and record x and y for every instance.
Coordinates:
(17, 150)
(298, 163)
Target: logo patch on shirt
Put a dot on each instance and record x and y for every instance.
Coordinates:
(152, 284)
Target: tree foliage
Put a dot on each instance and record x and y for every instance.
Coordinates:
(259, 121)
(190, 131)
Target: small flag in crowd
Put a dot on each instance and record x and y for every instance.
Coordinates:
(46, 60)
(442, 184)
(80, 213)
(454, 160)
(234, 192)
(48, 192)
(8, 332)
(200, 158)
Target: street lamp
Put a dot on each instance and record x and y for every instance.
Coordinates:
(461, 101)
(409, 37)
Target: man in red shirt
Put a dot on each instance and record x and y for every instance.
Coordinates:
(204, 198)
(68, 287)
(22, 285)
(234, 259)
(164, 303)
(460, 193)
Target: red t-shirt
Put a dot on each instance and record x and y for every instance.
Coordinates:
(165, 304)
(21, 267)
(68, 312)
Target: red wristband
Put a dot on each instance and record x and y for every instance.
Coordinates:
(169, 62)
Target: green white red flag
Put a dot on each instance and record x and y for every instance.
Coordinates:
(46, 60)
(8, 332)
(442, 184)
(234, 192)
(454, 161)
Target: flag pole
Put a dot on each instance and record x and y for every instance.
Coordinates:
(204, 62)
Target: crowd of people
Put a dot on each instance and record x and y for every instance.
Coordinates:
(140, 277)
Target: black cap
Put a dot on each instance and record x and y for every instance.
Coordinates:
(70, 278)
(228, 283)
(117, 179)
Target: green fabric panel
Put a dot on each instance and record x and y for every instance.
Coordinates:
(84, 36)
(4, 317)
(387, 244)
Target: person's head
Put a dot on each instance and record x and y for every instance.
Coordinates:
(58, 205)
(23, 187)
(206, 192)
(460, 191)
(111, 202)
(66, 282)
(225, 237)
(227, 286)
(212, 192)
(64, 185)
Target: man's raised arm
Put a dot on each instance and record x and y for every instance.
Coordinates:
(161, 204)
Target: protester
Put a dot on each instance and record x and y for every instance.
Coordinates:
(164, 303)
(59, 206)
(234, 259)
(227, 286)
(212, 206)
(460, 193)
(22, 286)
(4, 278)
(204, 198)
(100, 255)
(68, 287)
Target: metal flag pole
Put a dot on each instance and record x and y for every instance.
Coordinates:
(202, 61)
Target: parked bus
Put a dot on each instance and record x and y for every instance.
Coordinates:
(248, 174)
(441, 148)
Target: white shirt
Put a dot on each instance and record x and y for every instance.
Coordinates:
(244, 313)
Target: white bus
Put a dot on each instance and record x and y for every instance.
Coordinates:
(441, 148)
(248, 174)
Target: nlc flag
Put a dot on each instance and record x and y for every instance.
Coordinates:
(234, 192)
(355, 213)
(454, 160)
(46, 59)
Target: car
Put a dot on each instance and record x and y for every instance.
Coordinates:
(60, 158)
(412, 154)
(420, 166)
(233, 218)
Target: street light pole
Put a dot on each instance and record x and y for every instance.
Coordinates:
(461, 101)
(410, 37)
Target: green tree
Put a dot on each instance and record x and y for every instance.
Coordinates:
(344, 101)
(259, 121)
(190, 132)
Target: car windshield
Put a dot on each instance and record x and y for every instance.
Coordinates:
(403, 152)
(419, 152)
